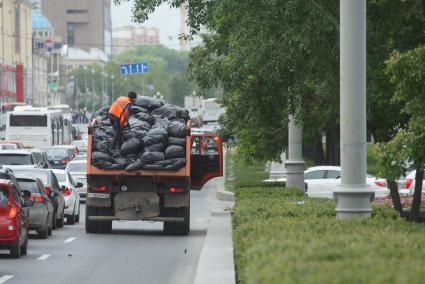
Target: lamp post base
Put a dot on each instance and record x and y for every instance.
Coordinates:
(353, 202)
(295, 174)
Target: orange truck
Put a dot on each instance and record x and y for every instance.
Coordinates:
(163, 196)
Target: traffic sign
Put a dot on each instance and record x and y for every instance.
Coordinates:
(133, 68)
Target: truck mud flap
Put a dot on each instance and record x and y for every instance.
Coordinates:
(136, 205)
(176, 200)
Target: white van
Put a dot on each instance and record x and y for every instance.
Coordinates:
(36, 127)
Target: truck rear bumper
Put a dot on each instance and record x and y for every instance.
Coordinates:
(154, 219)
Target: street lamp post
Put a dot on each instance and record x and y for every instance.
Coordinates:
(112, 88)
(353, 196)
(93, 91)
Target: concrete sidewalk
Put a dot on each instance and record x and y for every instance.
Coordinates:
(216, 263)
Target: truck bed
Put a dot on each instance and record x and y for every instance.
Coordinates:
(183, 172)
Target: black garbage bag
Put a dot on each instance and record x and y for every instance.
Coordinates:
(139, 133)
(159, 147)
(137, 165)
(101, 145)
(161, 122)
(178, 164)
(136, 109)
(117, 166)
(131, 146)
(138, 124)
(177, 141)
(176, 129)
(168, 161)
(128, 134)
(148, 102)
(131, 158)
(152, 167)
(151, 157)
(102, 164)
(174, 151)
(145, 117)
(103, 111)
(99, 156)
(155, 136)
(172, 112)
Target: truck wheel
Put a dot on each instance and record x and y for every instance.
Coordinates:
(91, 226)
(105, 227)
(177, 228)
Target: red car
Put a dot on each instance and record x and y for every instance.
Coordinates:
(16, 142)
(13, 218)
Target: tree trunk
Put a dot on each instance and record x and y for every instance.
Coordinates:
(416, 203)
(333, 153)
(395, 197)
(314, 151)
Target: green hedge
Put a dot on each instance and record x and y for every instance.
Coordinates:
(281, 237)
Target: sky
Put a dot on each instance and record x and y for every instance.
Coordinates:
(164, 18)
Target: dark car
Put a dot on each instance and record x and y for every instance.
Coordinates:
(60, 155)
(13, 218)
(42, 210)
(52, 189)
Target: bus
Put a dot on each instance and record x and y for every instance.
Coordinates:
(4, 109)
(211, 111)
(36, 127)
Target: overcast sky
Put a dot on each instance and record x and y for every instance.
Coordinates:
(164, 18)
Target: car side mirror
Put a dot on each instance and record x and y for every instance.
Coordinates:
(79, 185)
(338, 177)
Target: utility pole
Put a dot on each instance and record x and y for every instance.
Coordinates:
(183, 44)
(353, 196)
(295, 164)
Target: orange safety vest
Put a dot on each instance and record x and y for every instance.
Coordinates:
(118, 109)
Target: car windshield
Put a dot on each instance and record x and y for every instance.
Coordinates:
(29, 185)
(76, 167)
(15, 159)
(57, 153)
(60, 177)
(43, 176)
(4, 197)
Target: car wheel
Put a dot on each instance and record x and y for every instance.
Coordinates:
(70, 219)
(24, 246)
(49, 230)
(61, 220)
(77, 217)
(91, 226)
(54, 225)
(15, 250)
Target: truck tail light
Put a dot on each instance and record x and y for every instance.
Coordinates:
(407, 183)
(176, 189)
(99, 188)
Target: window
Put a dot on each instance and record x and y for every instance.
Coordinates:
(4, 197)
(76, 11)
(29, 185)
(28, 120)
(16, 159)
(315, 175)
(333, 174)
(71, 33)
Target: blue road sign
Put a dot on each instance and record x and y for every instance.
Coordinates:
(133, 68)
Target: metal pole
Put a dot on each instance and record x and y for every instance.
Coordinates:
(295, 164)
(353, 196)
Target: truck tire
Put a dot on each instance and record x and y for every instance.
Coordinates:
(105, 227)
(177, 228)
(91, 226)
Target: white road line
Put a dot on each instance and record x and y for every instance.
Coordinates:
(44, 257)
(68, 241)
(4, 278)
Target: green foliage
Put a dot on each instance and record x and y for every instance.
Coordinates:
(279, 239)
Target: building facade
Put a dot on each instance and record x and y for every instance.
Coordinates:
(15, 50)
(127, 37)
(82, 24)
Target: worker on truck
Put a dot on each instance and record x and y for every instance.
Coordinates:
(118, 115)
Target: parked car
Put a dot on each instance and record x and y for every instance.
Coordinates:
(409, 183)
(78, 171)
(41, 211)
(69, 191)
(8, 146)
(81, 145)
(52, 189)
(59, 156)
(18, 143)
(14, 218)
(19, 158)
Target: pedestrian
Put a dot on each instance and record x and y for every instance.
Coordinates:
(118, 115)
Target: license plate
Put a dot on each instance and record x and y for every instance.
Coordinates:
(97, 195)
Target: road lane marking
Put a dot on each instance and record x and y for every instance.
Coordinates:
(70, 240)
(44, 257)
(4, 278)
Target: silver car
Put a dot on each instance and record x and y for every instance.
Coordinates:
(78, 171)
(40, 217)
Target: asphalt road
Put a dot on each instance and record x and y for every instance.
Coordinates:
(135, 252)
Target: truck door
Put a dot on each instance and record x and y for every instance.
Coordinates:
(206, 159)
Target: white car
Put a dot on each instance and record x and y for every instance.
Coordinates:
(322, 180)
(81, 157)
(69, 191)
(409, 183)
(81, 145)
(78, 171)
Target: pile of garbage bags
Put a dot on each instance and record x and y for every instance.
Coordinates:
(154, 139)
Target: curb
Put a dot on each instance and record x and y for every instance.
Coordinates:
(225, 195)
(216, 263)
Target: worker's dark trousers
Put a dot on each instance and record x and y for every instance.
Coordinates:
(115, 121)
